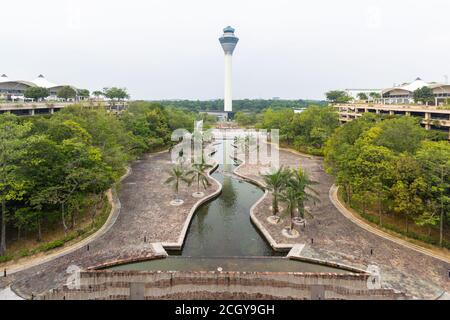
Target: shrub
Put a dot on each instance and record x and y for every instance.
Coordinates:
(5, 258)
(51, 245)
(24, 252)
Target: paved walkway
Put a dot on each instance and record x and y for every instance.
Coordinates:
(8, 294)
(332, 236)
(145, 213)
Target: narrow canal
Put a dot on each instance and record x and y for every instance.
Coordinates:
(222, 227)
(221, 235)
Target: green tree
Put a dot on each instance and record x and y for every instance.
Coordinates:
(97, 93)
(408, 188)
(299, 181)
(275, 182)
(199, 174)
(12, 142)
(374, 95)
(340, 151)
(115, 93)
(25, 219)
(36, 93)
(43, 169)
(177, 175)
(81, 167)
(149, 123)
(288, 195)
(84, 93)
(105, 130)
(278, 119)
(178, 119)
(311, 128)
(403, 134)
(362, 96)
(373, 173)
(306, 131)
(337, 96)
(424, 95)
(245, 119)
(90, 174)
(434, 157)
(66, 93)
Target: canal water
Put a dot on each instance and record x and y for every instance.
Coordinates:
(221, 235)
(222, 227)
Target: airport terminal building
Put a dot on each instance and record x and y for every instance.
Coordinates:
(399, 100)
(405, 92)
(13, 90)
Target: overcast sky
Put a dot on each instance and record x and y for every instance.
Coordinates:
(169, 49)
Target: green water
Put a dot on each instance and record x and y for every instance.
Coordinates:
(222, 227)
(240, 264)
(221, 234)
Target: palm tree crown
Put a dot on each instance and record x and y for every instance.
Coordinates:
(275, 182)
(301, 182)
(178, 174)
(199, 174)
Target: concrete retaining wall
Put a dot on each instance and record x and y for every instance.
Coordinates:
(148, 285)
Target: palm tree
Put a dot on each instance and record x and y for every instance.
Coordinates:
(301, 183)
(289, 196)
(275, 182)
(177, 175)
(199, 175)
(239, 141)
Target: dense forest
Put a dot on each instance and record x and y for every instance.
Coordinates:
(306, 131)
(254, 105)
(55, 170)
(392, 169)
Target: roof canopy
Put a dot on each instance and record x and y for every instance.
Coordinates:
(40, 81)
(4, 78)
(413, 86)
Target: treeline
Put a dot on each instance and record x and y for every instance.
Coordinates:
(55, 169)
(255, 105)
(393, 167)
(388, 167)
(306, 131)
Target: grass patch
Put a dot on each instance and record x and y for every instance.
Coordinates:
(51, 245)
(303, 149)
(6, 258)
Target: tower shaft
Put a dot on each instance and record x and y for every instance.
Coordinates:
(228, 42)
(228, 100)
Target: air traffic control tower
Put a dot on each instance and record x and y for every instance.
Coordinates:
(228, 42)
